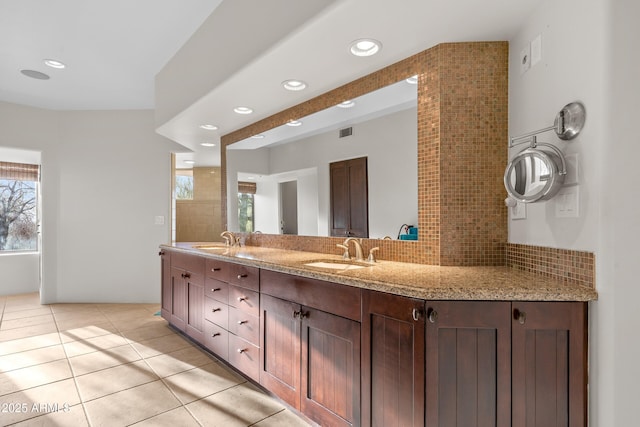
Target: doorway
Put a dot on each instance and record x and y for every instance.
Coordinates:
(289, 207)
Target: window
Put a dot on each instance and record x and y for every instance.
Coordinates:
(184, 184)
(19, 206)
(246, 192)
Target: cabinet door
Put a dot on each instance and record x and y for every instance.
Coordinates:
(165, 275)
(549, 364)
(280, 349)
(330, 378)
(178, 310)
(468, 360)
(195, 306)
(393, 360)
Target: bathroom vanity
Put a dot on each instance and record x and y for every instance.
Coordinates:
(351, 343)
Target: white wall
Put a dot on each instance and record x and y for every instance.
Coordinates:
(105, 176)
(589, 55)
(389, 142)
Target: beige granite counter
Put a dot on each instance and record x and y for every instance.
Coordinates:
(414, 280)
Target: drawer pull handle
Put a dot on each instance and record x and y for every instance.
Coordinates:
(241, 276)
(213, 310)
(416, 313)
(186, 275)
(215, 269)
(433, 315)
(242, 350)
(161, 253)
(520, 316)
(217, 334)
(300, 314)
(215, 289)
(242, 322)
(240, 299)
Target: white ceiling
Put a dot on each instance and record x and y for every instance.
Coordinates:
(114, 49)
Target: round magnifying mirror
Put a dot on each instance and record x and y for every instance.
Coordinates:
(533, 175)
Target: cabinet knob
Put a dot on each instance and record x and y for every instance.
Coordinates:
(520, 316)
(242, 350)
(217, 334)
(432, 315)
(296, 314)
(416, 313)
(242, 322)
(187, 275)
(215, 289)
(215, 269)
(240, 299)
(161, 253)
(241, 276)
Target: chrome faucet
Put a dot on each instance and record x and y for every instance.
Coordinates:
(229, 238)
(358, 246)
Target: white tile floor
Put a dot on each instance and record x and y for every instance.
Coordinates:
(116, 365)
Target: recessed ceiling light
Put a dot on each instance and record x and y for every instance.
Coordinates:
(294, 123)
(365, 47)
(243, 110)
(413, 80)
(346, 104)
(294, 85)
(190, 162)
(54, 63)
(209, 127)
(207, 144)
(259, 136)
(35, 74)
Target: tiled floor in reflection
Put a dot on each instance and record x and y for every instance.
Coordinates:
(116, 365)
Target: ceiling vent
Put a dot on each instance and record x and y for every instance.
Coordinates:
(346, 132)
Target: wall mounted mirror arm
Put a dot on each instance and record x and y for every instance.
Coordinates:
(537, 172)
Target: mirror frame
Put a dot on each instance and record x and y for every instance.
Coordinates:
(462, 127)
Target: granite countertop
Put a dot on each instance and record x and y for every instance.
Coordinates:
(413, 280)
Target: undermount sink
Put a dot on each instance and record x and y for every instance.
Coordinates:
(210, 246)
(340, 265)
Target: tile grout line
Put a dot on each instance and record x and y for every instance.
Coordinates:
(73, 374)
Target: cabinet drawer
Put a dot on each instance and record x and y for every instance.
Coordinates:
(334, 298)
(244, 356)
(187, 262)
(245, 300)
(217, 290)
(244, 325)
(216, 312)
(216, 339)
(245, 276)
(217, 269)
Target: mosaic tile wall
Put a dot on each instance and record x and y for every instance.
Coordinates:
(562, 264)
(462, 134)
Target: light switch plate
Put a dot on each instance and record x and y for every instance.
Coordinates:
(536, 50)
(568, 202)
(159, 220)
(573, 169)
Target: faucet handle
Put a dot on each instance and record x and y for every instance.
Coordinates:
(372, 257)
(345, 254)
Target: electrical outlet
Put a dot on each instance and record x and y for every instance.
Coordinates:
(525, 59)
(159, 220)
(519, 211)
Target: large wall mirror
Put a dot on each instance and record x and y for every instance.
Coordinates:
(283, 173)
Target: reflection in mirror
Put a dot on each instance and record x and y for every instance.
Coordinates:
(533, 175)
(383, 128)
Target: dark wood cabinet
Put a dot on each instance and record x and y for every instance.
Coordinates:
(468, 364)
(166, 298)
(549, 374)
(310, 357)
(393, 360)
(349, 198)
(186, 310)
